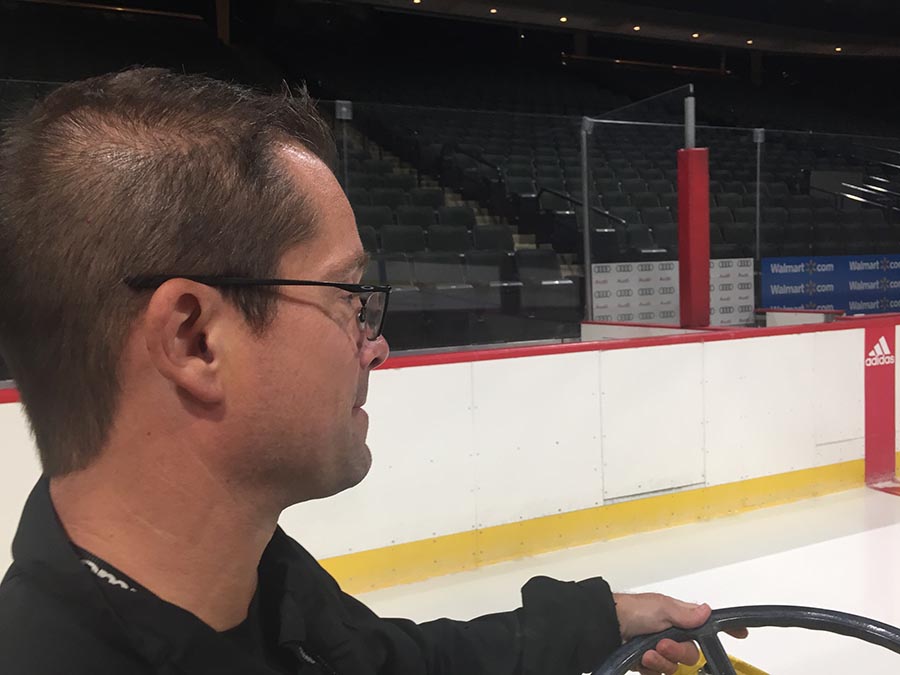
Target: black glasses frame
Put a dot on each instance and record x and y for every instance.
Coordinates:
(365, 291)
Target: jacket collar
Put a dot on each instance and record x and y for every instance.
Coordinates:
(159, 632)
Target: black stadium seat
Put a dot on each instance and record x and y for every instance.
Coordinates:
(605, 185)
(416, 216)
(671, 201)
(798, 233)
(402, 238)
(745, 214)
(611, 200)
(457, 216)
(359, 197)
(658, 215)
(730, 199)
(661, 186)
(433, 197)
(632, 186)
(775, 214)
(828, 232)
(369, 238)
(638, 237)
(800, 215)
(390, 197)
(626, 213)
(520, 186)
(446, 238)
(721, 214)
(399, 181)
(493, 237)
(643, 200)
(373, 216)
(666, 235)
(438, 268)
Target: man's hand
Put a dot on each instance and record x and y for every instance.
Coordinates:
(645, 613)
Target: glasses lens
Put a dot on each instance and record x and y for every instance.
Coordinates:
(374, 315)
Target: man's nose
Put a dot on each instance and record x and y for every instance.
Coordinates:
(374, 353)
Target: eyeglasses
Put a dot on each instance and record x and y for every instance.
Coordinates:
(373, 299)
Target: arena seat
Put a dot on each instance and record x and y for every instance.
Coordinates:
(732, 200)
(633, 186)
(627, 213)
(638, 238)
(402, 238)
(611, 200)
(457, 216)
(643, 200)
(493, 237)
(448, 238)
(721, 214)
(657, 215)
(776, 214)
(373, 216)
(359, 197)
(399, 181)
(416, 216)
(369, 238)
(800, 215)
(390, 197)
(433, 197)
(798, 232)
(661, 186)
(670, 201)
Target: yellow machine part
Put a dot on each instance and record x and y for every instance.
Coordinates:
(740, 668)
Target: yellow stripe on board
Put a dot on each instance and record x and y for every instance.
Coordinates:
(419, 560)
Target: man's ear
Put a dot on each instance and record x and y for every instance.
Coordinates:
(183, 331)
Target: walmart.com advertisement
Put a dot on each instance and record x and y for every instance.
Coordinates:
(856, 284)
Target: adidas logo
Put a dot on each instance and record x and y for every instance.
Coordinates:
(880, 354)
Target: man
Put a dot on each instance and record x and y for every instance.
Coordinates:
(179, 308)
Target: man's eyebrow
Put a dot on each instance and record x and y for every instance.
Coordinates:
(351, 268)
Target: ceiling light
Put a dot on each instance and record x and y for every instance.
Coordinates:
(749, 42)
(493, 10)
(636, 28)
(838, 49)
(563, 19)
(522, 35)
(417, 2)
(695, 35)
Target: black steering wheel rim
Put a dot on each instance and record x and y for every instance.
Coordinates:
(628, 656)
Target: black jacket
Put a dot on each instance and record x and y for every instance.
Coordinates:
(58, 617)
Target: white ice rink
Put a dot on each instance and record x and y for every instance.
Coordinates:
(837, 552)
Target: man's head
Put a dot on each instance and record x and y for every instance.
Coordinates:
(148, 172)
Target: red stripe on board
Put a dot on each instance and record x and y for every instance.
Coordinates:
(9, 396)
(880, 392)
(706, 335)
(693, 236)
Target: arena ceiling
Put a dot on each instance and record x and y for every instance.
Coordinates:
(829, 27)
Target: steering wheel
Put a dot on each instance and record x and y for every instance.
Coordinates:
(629, 655)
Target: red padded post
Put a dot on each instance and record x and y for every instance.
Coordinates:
(693, 236)
(880, 358)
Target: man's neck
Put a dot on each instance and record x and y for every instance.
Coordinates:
(175, 530)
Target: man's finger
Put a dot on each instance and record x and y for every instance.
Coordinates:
(657, 663)
(739, 633)
(679, 652)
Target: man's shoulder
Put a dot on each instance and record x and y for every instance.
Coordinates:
(43, 634)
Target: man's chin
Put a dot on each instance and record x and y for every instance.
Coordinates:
(353, 474)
